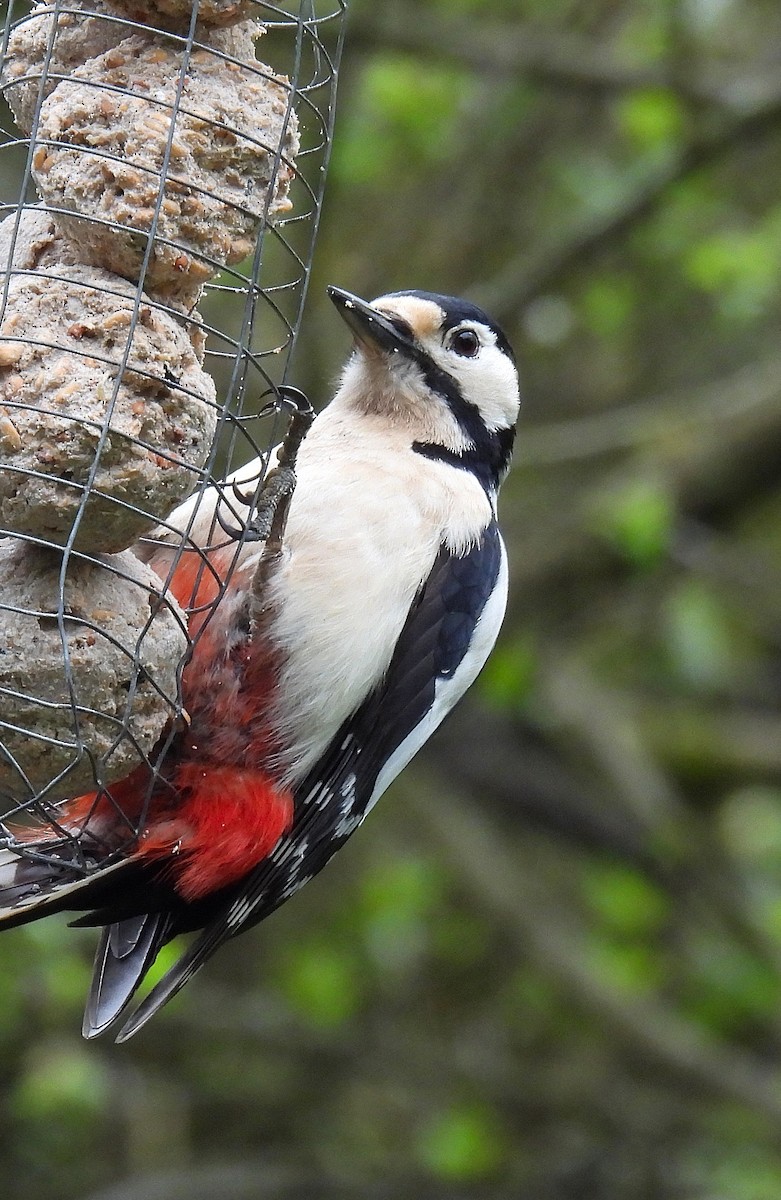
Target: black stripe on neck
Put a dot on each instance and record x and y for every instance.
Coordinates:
(489, 451)
(488, 463)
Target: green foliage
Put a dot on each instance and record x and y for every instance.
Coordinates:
(62, 968)
(653, 119)
(608, 303)
(399, 116)
(646, 32)
(463, 1143)
(638, 520)
(739, 267)
(741, 1172)
(699, 635)
(729, 989)
(694, 208)
(12, 999)
(60, 1084)
(322, 982)
(475, 8)
(508, 678)
(398, 900)
(750, 824)
(591, 178)
(623, 900)
(636, 970)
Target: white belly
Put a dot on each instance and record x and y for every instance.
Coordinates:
(364, 528)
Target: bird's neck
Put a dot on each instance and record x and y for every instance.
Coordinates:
(396, 399)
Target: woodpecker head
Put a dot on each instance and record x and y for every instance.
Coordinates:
(442, 367)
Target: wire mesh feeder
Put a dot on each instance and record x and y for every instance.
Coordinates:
(162, 191)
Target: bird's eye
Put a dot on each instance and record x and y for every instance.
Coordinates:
(465, 342)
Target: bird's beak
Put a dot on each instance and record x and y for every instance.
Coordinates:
(371, 327)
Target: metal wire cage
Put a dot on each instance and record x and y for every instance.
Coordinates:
(160, 193)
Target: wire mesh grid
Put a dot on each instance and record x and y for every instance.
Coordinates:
(161, 193)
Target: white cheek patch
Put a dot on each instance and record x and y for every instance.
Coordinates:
(488, 381)
(492, 386)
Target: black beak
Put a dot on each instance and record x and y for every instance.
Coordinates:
(370, 326)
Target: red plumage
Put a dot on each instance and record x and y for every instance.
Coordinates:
(215, 805)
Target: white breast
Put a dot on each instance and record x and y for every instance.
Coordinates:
(366, 522)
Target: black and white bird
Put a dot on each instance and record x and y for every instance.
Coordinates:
(307, 696)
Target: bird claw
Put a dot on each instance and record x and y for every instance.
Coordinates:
(277, 487)
(292, 398)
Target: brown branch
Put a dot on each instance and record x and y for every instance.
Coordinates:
(720, 743)
(521, 280)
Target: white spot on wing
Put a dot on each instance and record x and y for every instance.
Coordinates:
(347, 791)
(239, 911)
(348, 823)
(294, 886)
(349, 818)
(296, 876)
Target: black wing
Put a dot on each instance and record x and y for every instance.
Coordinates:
(333, 799)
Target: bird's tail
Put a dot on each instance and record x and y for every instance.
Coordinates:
(125, 953)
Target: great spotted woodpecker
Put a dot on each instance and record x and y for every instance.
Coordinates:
(306, 693)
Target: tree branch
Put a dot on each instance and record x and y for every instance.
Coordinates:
(562, 59)
(520, 281)
(503, 882)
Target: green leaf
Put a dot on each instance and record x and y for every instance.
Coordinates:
(509, 676)
(451, 7)
(408, 886)
(739, 267)
(463, 1143)
(629, 966)
(608, 304)
(694, 207)
(651, 118)
(323, 983)
(728, 986)
(624, 900)
(402, 118)
(750, 824)
(396, 902)
(750, 1175)
(639, 520)
(645, 31)
(61, 1084)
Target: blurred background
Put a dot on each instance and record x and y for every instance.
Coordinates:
(549, 966)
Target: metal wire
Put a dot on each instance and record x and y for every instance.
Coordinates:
(243, 318)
